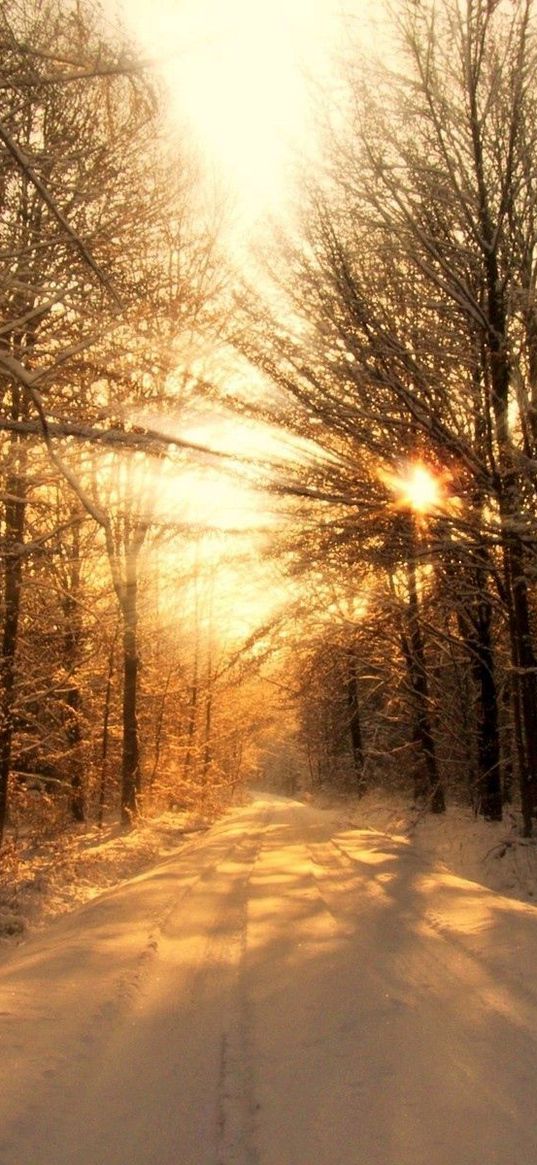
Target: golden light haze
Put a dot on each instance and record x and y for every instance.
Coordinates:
(246, 77)
(240, 72)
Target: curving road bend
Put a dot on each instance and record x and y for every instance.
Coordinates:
(281, 991)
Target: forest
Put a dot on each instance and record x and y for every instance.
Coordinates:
(376, 363)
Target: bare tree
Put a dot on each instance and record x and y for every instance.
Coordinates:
(409, 319)
(89, 192)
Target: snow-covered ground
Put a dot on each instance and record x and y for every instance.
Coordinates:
(284, 988)
(40, 882)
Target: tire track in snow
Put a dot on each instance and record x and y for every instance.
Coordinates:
(237, 1103)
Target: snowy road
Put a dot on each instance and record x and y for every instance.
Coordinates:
(279, 992)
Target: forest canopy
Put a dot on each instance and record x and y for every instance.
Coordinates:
(390, 341)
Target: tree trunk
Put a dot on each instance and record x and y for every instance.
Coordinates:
(490, 784)
(355, 727)
(207, 742)
(73, 631)
(15, 511)
(159, 730)
(105, 733)
(420, 688)
(524, 679)
(507, 734)
(192, 718)
(207, 749)
(130, 772)
(522, 653)
(497, 342)
(476, 629)
(74, 740)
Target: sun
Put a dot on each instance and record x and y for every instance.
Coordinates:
(417, 487)
(420, 489)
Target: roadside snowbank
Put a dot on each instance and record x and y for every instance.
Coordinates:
(39, 882)
(489, 852)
